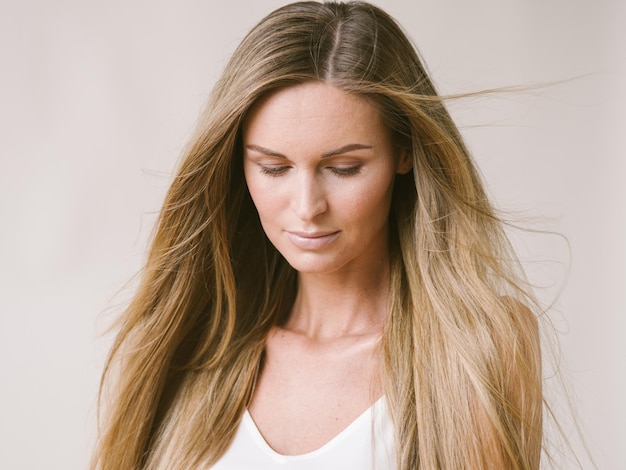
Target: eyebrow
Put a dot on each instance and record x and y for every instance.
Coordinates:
(338, 151)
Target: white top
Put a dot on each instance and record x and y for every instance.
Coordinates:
(366, 444)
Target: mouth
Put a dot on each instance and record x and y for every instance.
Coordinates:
(312, 240)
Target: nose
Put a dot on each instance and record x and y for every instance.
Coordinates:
(308, 196)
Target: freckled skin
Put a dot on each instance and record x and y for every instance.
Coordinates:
(302, 190)
(320, 167)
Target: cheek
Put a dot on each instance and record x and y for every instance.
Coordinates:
(370, 204)
(266, 200)
(257, 191)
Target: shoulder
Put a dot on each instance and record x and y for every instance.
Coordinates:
(521, 351)
(523, 319)
(521, 313)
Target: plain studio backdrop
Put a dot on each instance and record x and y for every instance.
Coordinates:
(97, 100)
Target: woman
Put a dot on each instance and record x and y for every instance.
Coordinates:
(328, 285)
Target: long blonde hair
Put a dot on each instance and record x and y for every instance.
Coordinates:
(461, 356)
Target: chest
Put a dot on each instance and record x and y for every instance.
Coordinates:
(366, 443)
(328, 388)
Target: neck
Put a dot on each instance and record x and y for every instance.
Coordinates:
(331, 306)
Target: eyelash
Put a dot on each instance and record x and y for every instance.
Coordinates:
(338, 171)
(274, 170)
(346, 171)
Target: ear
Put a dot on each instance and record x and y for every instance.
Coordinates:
(405, 161)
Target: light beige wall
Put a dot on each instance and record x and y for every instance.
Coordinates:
(97, 99)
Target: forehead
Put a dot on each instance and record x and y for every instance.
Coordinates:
(314, 111)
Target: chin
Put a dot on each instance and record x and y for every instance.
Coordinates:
(313, 263)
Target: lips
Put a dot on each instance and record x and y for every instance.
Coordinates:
(312, 240)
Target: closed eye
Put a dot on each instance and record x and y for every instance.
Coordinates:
(345, 171)
(274, 170)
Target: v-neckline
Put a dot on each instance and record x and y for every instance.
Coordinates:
(249, 423)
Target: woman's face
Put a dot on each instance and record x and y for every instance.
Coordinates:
(320, 166)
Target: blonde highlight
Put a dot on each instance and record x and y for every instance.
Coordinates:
(458, 338)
